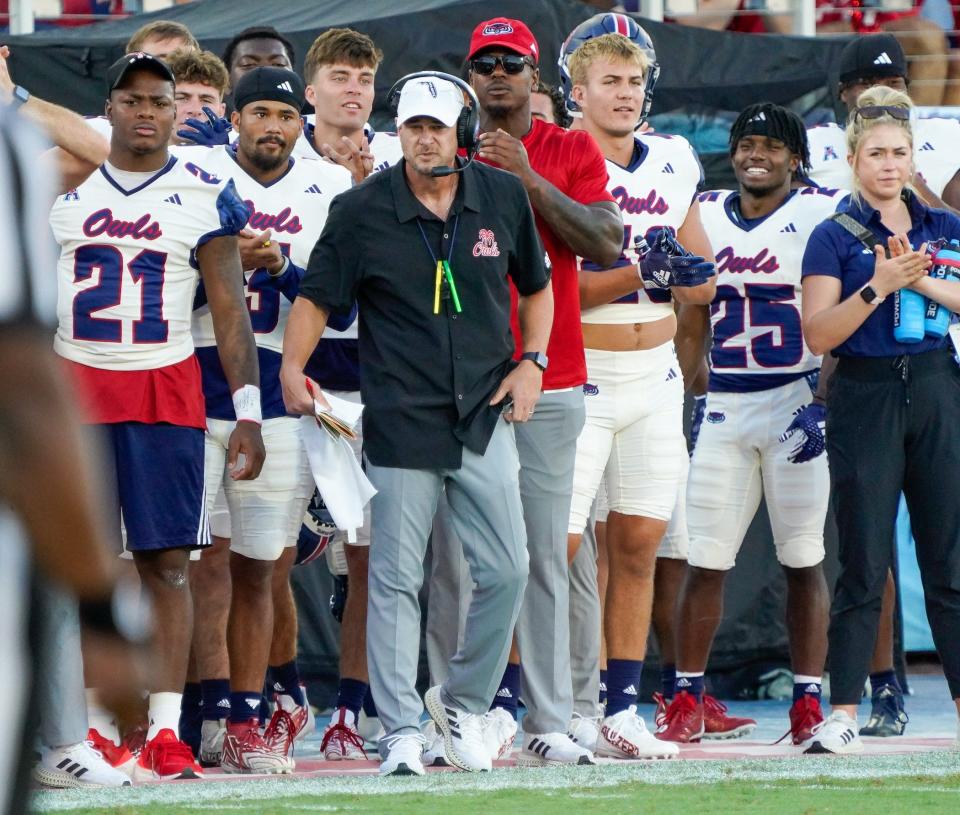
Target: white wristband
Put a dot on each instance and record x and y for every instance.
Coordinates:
(246, 404)
(283, 268)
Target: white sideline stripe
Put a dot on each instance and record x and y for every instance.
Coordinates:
(807, 768)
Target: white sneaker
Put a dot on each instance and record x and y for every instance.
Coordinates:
(462, 733)
(625, 735)
(304, 721)
(341, 741)
(434, 753)
(212, 732)
(545, 749)
(836, 734)
(404, 755)
(584, 730)
(77, 765)
(499, 732)
(370, 729)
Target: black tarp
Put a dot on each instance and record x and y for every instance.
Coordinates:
(701, 69)
(717, 69)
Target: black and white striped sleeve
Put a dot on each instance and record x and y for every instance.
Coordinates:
(28, 277)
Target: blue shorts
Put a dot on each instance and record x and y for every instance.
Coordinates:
(159, 471)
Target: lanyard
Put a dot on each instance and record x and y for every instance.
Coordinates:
(443, 267)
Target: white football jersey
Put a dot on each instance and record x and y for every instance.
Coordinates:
(934, 149)
(295, 208)
(656, 189)
(384, 146)
(386, 152)
(127, 272)
(756, 313)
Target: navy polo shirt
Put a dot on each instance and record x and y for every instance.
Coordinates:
(833, 251)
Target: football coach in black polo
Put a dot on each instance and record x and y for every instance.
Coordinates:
(428, 253)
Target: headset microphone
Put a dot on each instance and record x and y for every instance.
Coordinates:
(440, 172)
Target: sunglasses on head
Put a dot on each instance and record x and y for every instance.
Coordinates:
(876, 111)
(487, 64)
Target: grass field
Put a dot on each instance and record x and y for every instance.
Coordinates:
(915, 784)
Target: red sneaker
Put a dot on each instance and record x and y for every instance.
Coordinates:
(117, 756)
(718, 725)
(682, 721)
(805, 715)
(166, 758)
(662, 704)
(246, 751)
(341, 741)
(281, 732)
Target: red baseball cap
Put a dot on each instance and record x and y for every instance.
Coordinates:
(505, 33)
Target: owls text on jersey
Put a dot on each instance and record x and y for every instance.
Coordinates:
(655, 189)
(294, 207)
(934, 149)
(127, 271)
(757, 337)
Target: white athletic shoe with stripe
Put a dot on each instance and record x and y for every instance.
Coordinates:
(836, 734)
(462, 733)
(499, 733)
(546, 749)
(76, 765)
(625, 735)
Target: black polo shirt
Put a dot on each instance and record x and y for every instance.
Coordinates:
(426, 377)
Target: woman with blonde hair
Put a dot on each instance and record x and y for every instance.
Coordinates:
(893, 408)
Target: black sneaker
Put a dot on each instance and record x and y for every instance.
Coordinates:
(887, 716)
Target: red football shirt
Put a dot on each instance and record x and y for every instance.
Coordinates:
(573, 163)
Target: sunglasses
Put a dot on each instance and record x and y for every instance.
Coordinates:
(511, 63)
(876, 111)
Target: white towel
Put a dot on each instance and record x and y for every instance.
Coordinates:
(337, 473)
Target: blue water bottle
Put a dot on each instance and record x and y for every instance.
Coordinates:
(909, 313)
(946, 266)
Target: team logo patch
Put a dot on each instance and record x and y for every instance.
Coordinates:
(430, 87)
(716, 416)
(486, 247)
(590, 390)
(829, 153)
(494, 29)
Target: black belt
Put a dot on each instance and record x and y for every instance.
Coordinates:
(891, 369)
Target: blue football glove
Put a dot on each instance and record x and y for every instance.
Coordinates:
(696, 419)
(663, 262)
(809, 426)
(211, 133)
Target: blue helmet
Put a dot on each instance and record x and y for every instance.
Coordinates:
(316, 531)
(597, 26)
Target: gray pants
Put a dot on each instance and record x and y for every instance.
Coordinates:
(60, 695)
(585, 624)
(484, 499)
(548, 446)
(449, 597)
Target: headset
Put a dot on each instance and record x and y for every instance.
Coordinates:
(468, 123)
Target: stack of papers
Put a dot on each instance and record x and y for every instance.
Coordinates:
(341, 419)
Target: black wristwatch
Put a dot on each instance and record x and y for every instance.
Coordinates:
(20, 95)
(538, 358)
(870, 296)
